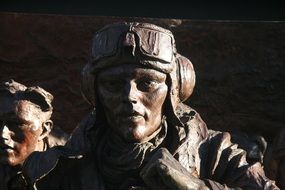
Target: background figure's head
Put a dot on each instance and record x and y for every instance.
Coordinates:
(24, 121)
(127, 56)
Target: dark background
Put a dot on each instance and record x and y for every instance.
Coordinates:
(253, 10)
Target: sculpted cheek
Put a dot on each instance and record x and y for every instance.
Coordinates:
(36, 126)
(157, 97)
(108, 100)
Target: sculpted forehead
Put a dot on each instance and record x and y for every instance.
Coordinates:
(129, 70)
(23, 110)
(27, 111)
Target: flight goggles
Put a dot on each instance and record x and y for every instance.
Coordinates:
(146, 43)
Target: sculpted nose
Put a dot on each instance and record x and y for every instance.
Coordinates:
(131, 94)
(5, 132)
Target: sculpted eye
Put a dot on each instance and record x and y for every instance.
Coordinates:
(147, 85)
(112, 85)
(13, 123)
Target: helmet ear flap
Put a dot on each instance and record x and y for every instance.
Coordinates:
(87, 85)
(186, 77)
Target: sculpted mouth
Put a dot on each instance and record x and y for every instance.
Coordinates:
(133, 116)
(5, 147)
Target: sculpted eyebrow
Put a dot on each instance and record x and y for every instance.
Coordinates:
(107, 75)
(153, 75)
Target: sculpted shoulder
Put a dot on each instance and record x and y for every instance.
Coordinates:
(190, 118)
(80, 139)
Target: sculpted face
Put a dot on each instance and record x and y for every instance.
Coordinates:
(132, 97)
(20, 129)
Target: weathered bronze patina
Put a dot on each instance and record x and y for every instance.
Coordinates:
(141, 135)
(25, 127)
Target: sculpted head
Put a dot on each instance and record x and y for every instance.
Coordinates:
(24, 121)
(132, 97)
(135, 75)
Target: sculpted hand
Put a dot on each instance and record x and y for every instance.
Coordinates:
(164, 172)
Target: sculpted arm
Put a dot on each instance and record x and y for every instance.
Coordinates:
(223, 162)
(223, 166)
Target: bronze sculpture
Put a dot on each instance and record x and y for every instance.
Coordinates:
(25, 127)
(141, 135)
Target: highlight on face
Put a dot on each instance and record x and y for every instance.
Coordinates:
(24, 121)
(20, 131)
(132, 97)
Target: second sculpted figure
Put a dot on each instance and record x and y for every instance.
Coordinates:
(141, 135)
(25, 127)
